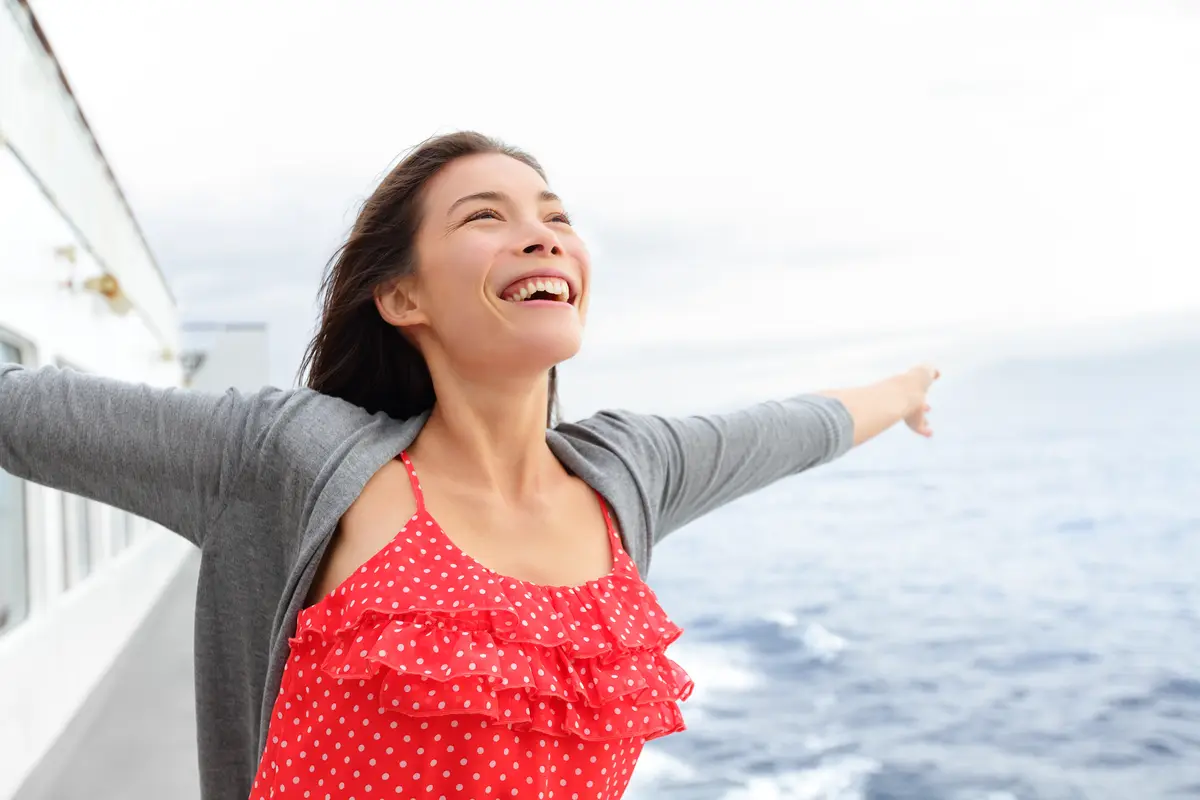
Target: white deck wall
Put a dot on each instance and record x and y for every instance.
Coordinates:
(58, 201)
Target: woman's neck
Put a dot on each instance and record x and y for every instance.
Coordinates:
(491, 438)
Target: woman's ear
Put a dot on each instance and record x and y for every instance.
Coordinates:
(399, 303)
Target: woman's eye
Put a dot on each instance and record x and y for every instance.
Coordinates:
(487, 213)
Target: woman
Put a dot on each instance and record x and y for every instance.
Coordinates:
(482, 631)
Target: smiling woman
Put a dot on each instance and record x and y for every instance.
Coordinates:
(483, 630)
(379, 343)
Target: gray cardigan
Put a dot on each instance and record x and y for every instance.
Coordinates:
(258, 483)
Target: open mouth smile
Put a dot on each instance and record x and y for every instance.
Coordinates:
(543, 288)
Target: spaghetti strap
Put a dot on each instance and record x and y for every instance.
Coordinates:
(414, 480)
(614, 538)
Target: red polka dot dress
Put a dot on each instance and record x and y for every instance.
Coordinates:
(427, 675)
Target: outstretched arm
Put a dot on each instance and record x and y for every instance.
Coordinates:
(688, 466)
(168, 455)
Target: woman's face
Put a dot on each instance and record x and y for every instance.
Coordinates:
(501, 279)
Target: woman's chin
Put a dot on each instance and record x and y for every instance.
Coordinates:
(543, 352)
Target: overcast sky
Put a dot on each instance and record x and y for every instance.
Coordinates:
(741, 171)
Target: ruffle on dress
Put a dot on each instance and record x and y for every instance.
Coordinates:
(587, 661)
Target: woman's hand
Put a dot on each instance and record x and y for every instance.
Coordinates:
(879, 406)
(918, 380)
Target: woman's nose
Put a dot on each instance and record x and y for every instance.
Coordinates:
(542, 241)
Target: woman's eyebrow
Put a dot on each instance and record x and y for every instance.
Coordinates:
(501, 197)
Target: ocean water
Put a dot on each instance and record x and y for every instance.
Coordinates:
(1009, 611)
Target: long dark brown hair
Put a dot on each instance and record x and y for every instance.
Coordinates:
(356, 355)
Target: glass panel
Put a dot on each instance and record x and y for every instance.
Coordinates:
(98, 546)
(119, 530)
(14, 564)
(77, 539)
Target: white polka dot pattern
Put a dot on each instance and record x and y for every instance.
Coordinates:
(427, 675)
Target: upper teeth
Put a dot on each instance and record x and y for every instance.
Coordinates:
(555, 286)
